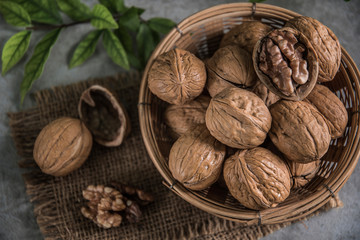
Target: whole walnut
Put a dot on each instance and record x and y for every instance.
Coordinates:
(246, 35)
(265, 94)
(232, 64)
(302, 173)
(257, 178)
(196, 158)
(286, 63)
(324, 42)
(299, 131)
(215, 84)
(238, 118)
(62, 146)
(330, 106)
(181, 118)
(177, 76)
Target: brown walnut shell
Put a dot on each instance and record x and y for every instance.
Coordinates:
(330, 106)
(62, 146)
(265, 94)
(286, 63)
(196, 159)
(104, 116)
(238, 118)
(299, 131)
(302, 173)
(181, 118)
(257, 178)
(232, 64)
(177, 76)
(324, 42)
(246, 35)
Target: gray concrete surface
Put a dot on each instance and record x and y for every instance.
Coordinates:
(16, 217)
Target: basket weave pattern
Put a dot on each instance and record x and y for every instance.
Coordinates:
(201, 34)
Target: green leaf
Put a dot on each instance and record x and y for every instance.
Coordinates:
(14, 14)
(161, 25)
(43, 11)
(76, 10)
(102, 18)
(124, 37)
(145, 42)
(35, 65)
(130, 19)
(115, 49)
(139, 10)
(115, 6)
(14, 50)
(85, 48)
(134, 61)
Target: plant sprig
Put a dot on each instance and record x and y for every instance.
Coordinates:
(117, 25)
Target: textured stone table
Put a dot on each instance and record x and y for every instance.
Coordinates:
(16, 213)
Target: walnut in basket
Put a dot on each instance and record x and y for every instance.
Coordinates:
(180, 118)
(196, 158)
(299, 131)
(302, 173)
(257, 178)
(238, 118)
(177, 76)
(330, 106)
(286, 63)
(324, 42)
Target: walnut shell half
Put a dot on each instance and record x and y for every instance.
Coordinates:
(286, 63)
(104, 116)
(257, 178)
(330, 106)
(324, 42)
(299, 131)
(196, 158)
(238, 118)
(177, 76)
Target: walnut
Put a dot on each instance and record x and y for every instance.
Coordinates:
(330, 106)
(299, 131)
(232, 64)
(103, 205)
(286, 63)
(302, 173)
(257, 178)
(324, 42)
(104, 115)
(246, 35)
(181, 118)
(215, 84)
(265, 94)
(196, 158)
(177, 76)
(62, 146)
(238, 118)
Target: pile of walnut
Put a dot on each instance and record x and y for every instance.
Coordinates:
(106, 205)
(262, 83)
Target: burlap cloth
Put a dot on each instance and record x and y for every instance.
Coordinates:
(57, 201)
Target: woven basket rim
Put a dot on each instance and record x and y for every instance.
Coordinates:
(249, 217)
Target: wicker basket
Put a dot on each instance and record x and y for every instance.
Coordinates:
(201, 34)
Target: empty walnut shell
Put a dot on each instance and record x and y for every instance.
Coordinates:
(265, 94)
(257, 178)
(177, 76)
(196, 158)
(104, 116)
(286, 63)
(232, 64)
(246, 35)
(181, 118)
(299, 131)
(238, 118)
(302, 173)
(62, 146)
(324, 42)
(330, 106)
